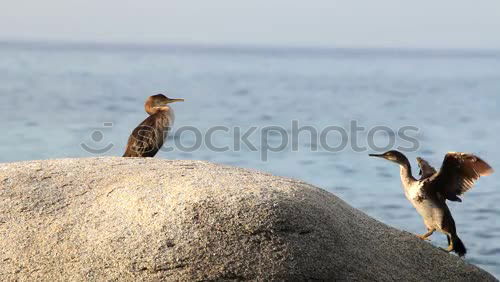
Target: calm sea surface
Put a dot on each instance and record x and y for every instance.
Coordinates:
(54, 99)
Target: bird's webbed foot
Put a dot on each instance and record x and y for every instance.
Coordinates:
(422, 237)
(447, 250)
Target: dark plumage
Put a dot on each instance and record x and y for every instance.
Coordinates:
(457, 175)
(429, 194)
(426, 169)
(149, 136)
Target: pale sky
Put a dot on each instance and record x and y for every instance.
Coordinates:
(323, 23)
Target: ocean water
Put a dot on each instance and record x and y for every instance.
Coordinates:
(66, 101)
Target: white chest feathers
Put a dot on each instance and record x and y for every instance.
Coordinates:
(413, 192)
(426, 207)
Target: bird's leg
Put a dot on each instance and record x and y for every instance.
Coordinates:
(450, 244)
(429, 233)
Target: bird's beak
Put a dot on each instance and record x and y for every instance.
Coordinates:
(174, 100)
(377, 155)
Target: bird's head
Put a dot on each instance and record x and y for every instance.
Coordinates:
(393, 156)
(158, 102)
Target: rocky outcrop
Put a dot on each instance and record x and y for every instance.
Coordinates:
(149, 219)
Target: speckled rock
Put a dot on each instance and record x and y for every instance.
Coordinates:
(148, 219)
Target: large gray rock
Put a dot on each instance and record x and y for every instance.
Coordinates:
(151, 219)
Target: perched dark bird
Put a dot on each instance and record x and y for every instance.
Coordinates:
(148, 137)
(429, 194)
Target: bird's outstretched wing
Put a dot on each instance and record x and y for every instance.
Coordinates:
(426, 170)
(457, 174)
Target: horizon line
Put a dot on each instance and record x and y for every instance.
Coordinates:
(241, 48)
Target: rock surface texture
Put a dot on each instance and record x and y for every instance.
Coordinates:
(118, 219)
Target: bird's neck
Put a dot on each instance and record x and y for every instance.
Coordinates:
(405, 172)
(164, 117)
(156, 110)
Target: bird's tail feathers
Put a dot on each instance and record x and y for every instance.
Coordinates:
(458, 246)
